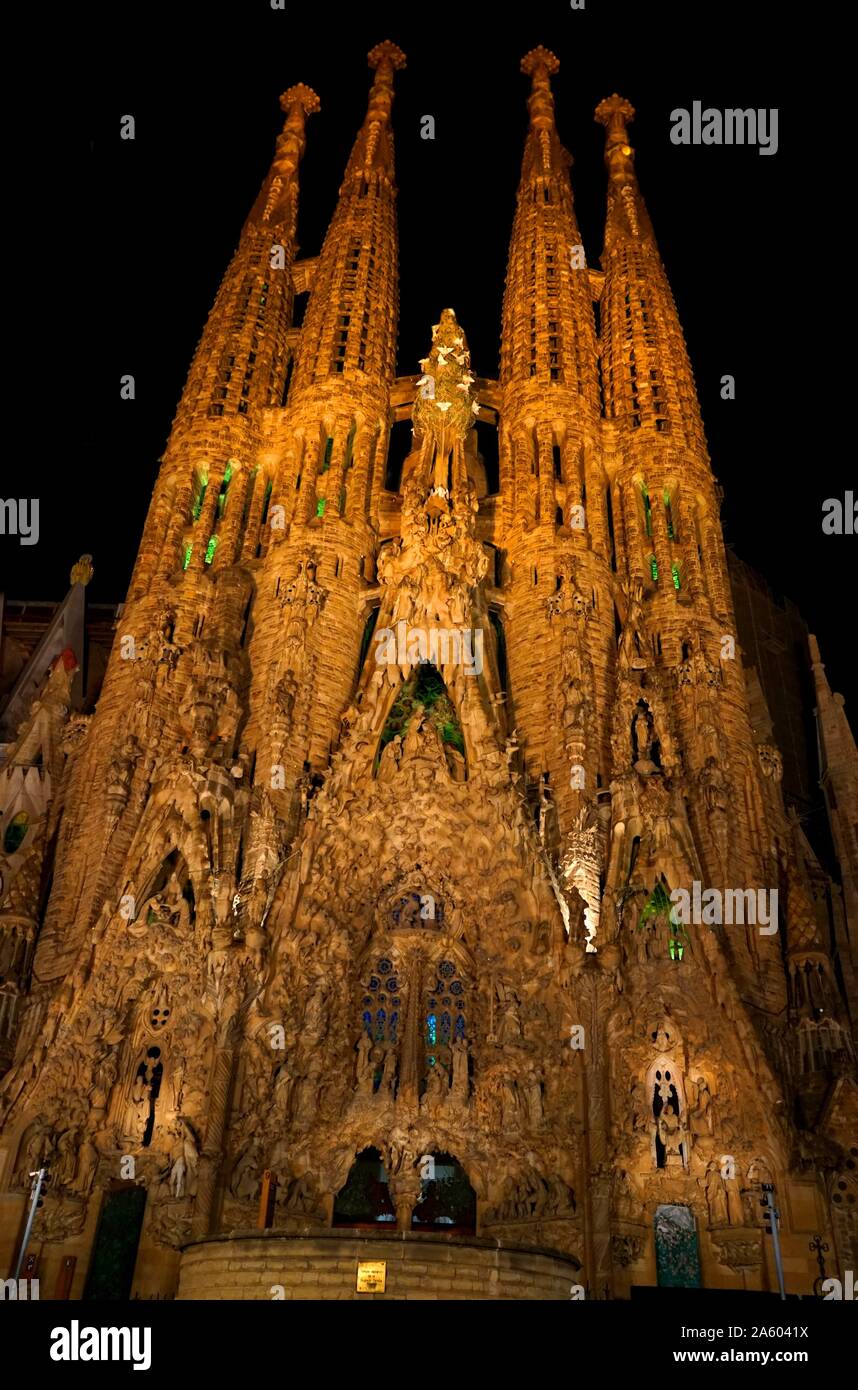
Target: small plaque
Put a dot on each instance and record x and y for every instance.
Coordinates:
(371, 1276)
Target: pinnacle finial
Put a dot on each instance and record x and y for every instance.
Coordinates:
(613, 113)
(302, 96)
(538, 58)
(539, 64)
(82, 572)
(386, 52)
(446, 405)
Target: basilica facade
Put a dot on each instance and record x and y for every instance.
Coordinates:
(420, 893)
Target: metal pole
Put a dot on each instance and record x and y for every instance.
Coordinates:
(776, 1240)
(34, 1197)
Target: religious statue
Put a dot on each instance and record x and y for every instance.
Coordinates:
(532, 1088)
(509, 1028)
(364, 1066)
(65, 1160)
(716, 1195)
(671, 1132)
(436, 1087)
(460, 1070)
(700, 1107)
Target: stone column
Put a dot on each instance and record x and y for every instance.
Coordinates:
(212, 1152)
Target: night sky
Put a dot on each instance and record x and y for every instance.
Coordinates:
(203, 83)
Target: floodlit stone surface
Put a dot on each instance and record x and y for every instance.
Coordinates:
(370, 841)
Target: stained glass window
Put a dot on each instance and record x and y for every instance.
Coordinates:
(16, 832)
(200, 498)
(647, 509)
(321, 505)
(187, 558)
(381, 1002)
(445, 1015)
(677, 583)
(224, 489)
(653, 568)
(210, 549)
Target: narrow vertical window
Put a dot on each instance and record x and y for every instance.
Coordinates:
(647, 509)
(224, 489)
(609, 513)
(199, 498)
(671, 530)
(265, 503)
(350, 447)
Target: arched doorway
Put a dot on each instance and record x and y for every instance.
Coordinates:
(365, 1199)
(446, 1196)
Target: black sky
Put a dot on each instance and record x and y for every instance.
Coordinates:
(150, 226)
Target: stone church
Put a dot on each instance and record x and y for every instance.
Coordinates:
(418, 913)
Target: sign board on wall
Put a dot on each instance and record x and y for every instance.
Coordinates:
(371, 1276)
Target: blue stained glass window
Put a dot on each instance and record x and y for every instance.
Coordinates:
(432, 1029)
(446, 968)
(460, 1026)
(446, 1027)
(456, 987)
(392, 985)
(380, 1024)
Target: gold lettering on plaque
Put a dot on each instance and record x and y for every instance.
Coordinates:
(371, 1276)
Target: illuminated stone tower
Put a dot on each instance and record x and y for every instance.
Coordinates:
(396, 898)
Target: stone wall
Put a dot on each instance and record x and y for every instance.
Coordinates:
(325, 1266)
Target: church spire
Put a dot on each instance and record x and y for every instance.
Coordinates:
(647, 377)
(838, 760)
(277, 201)
(350, 327)
(373, 149)
(548, 330)
(238, 370)
(241, 359)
